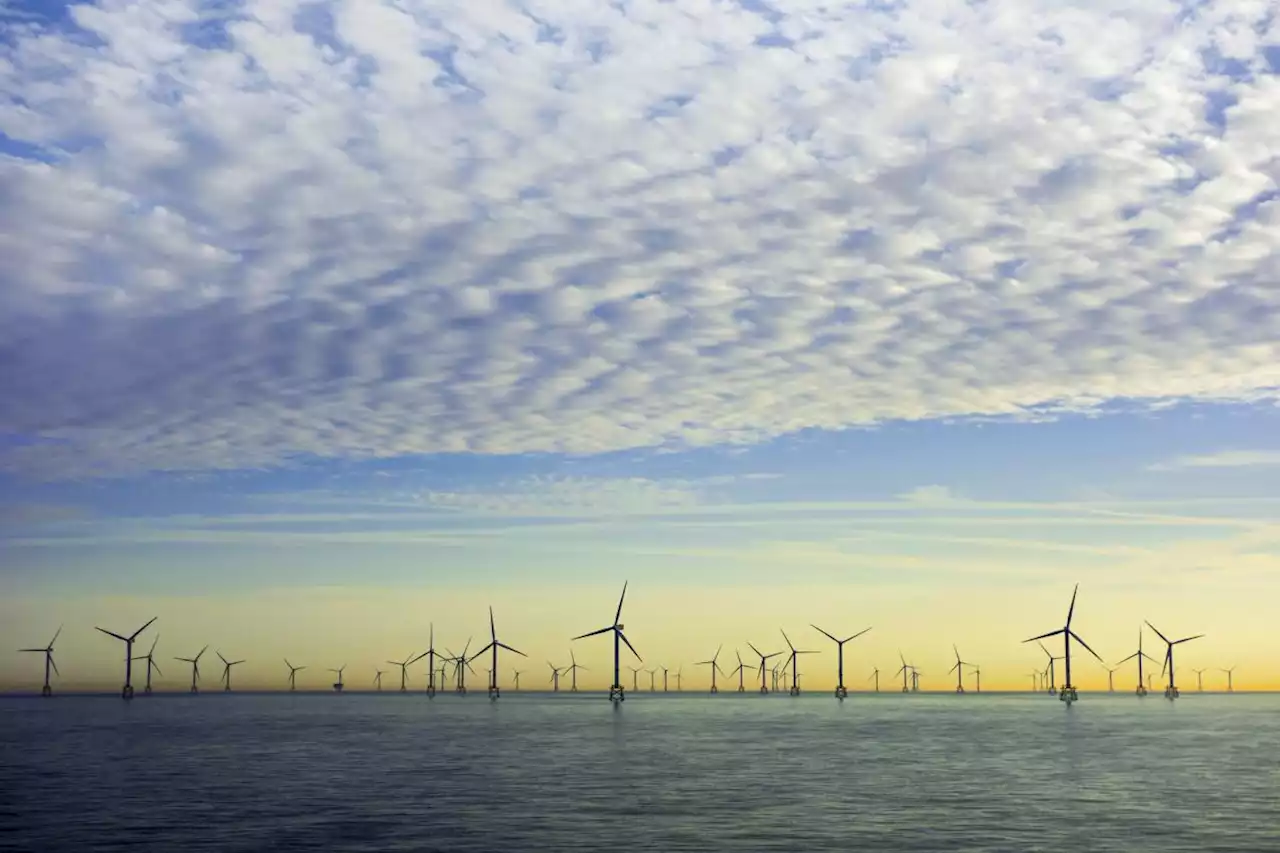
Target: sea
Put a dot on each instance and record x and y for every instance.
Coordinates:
(662, 772)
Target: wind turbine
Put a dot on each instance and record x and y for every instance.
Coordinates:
(127, 691)
(679, 673)
(1140, 655)
(652, 673)
(1035, 680)
(555, 676)
(794, 663)
(430, 654)
(151, 664)
(48, 662)
(338, 685)
(1050, 672)
(293, 674)
(1170, 692)
(635, 678)
(461, 663)
(1230, 688)
(616, 693)
(195, 669)
(977, 675)
(404, 669)
(915, 680)
(958, 669)
(841, 692)
(517, 678)
(1068, 693)
(903, 670)
(1199, 680)
(875, 673)
(1111, 681)
(740, 672)
(226, 671)
(574, 666)
(494, 645)
(377, 680)
(764, 688)
(665, 670)
(714, 666)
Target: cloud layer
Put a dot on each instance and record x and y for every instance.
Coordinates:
(234, 233)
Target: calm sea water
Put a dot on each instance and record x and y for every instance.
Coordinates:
(690, 772)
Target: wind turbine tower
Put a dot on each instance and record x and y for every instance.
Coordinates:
(338, 685)
(1230, 687)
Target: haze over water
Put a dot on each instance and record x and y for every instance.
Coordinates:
(1015, 772)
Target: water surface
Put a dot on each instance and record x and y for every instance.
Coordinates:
(687, 772)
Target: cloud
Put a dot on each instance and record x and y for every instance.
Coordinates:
(929, 495)
(1222, 459)
(240, 234)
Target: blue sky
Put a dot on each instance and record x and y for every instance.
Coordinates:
(788, 300)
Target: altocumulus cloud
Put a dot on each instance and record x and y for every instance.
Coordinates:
(234, 233)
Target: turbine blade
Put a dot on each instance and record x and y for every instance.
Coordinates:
(593, 633)
(202, 651)
(788, 639)
(859, 634)
(1187, 639)
(416, 659)
(516, 651)
(1076, 637)
(1072, 608)
(144, 627)
(1157, 630)
(618, 616)
(221, 658)
(493, 632)
(150, 662)
(824, 633)
(113, 634)
(55, 636)
(633, 648)
(53, 663)
(1045, 636)
(754, 649)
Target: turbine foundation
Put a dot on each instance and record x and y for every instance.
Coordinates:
(764, 691)
(46, 691)
(195, 689)
(841, 692)
(1141, 691)
(794, 691)
(617, 694)
(127, 692)
(715, 689)
(1171, 693)
(959, 688)
(1068, 695)
(431, 691)
(494, 692)
(146, 691)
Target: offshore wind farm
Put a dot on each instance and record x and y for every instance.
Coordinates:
(672, 425)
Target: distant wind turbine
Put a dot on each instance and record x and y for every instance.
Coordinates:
(149, 657)
(47, 651)
(1230, 687)
(794, 663)
(1140, 655)
(338, 685)
(714, 667)
(574, 666)
(195, 669)
(764, 688)
(226, 671)
(293, 675)
(494, 645)
(1068, 693)
(1170, 692)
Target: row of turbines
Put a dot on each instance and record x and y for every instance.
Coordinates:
(438, 662)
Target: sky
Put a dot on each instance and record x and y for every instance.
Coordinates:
(324, 325)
